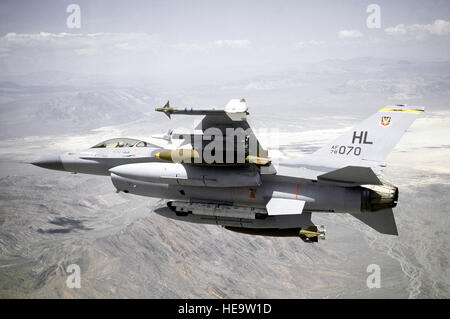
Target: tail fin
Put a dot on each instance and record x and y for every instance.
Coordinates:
(374, 138)
(382, 221)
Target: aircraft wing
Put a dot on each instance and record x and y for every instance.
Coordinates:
(232, 119)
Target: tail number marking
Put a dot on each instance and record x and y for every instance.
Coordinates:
(345, 150)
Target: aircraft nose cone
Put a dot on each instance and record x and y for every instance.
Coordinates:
(50, 162)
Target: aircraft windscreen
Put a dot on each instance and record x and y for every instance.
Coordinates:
(117, 142)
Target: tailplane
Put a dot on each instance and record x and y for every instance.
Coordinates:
(382, 221)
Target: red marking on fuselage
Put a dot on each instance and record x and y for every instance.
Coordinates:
(296, 194)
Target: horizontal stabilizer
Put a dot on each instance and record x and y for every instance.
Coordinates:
(351, 176)
(283, 206)
(382, 221)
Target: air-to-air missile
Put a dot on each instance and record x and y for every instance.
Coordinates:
(235, 110)
(246, 191)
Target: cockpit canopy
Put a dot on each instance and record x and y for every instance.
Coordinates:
(121, 142)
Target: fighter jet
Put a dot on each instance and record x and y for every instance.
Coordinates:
(220, 174)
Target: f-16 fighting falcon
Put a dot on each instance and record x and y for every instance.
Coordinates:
(220, 174)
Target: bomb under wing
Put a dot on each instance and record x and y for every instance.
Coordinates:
(255, 196)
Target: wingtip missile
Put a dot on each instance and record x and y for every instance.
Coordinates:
(236, 110)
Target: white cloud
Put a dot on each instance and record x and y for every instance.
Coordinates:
(349, 34)
(80, 44)
(399, 29)
(309, 44)
(420, 31)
